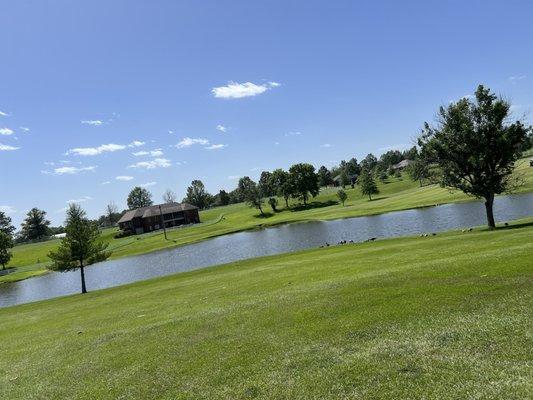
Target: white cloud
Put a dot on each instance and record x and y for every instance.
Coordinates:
(105, 183)
(5, 147)
(325, 145)
(148, 184)
(187, 142)
(6, 131)
(124, 178)
(8, 209)
(153, 153)
(24, 129)
(276, 143)
(515, 79)
(3, 114)
(104, 148)
(216, 147)
(235, 90)
(69, 170)
(294, 133)
(171, 132)
(93, 122)
(152, 164)
(222, 128)
(80, 200)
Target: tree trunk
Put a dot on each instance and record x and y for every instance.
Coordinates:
(489, 203)
(261, 210)
(370, 197)
(82, 272)
(3, 266)
(420, 182)
(286, 202)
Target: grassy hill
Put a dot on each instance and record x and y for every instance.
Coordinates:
(395, 194)
(443, 317)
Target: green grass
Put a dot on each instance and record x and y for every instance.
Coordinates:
(395, 194)
(443, 317)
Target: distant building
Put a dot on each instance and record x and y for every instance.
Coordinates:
(402, 164)
(352, 180)
(148, 219)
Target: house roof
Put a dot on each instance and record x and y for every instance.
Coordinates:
(402, 164)
(338, 177)
(150, 211)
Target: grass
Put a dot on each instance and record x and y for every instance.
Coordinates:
(442, 317)
(395, 194)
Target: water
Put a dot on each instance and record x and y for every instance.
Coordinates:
(281, 239)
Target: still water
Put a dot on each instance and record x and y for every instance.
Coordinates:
(281, 239)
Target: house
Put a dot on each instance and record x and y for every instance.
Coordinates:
(402, 164)
(352, 180)
(151, 218)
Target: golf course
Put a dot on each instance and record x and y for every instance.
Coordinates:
(395, 194)
(437, 317)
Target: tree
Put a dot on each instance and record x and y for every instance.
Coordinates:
(418, 170)
(6, 243)
(251, 192)
(5, 224)
(223, 198)
(367, 184)
(35, 226)
(169, 196)
(80, 247)
(282, 184)
(341, 194)
(112, 214)
(304, 181)
(369, 162)
(197, 195)
(324, 177)
(265, 184)
(476, 146)
(352, 167)
(273, 203)
(345, 179)
(391, 157)
(139, 197)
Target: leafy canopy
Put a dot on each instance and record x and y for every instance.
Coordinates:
(139, 197)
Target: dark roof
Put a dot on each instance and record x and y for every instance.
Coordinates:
(150, 211)
(338, 177)
(402, 164)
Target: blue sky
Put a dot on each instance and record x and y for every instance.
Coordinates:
(97, 97)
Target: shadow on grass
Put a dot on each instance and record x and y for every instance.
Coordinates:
(517, 225)
(379, 198)
(314, 204)
(265, 214)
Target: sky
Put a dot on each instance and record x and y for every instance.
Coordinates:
(97, 97)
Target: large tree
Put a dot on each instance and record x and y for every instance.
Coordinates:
(304, 181)
(265, 184)
(35, 225)
(80, 247)
(324, 176)
(476, 146)
(6, 243)
(282, 184)
(367, 184)
(5, 224)
(223, 198)
(369, 162)
(419, 170)
(251, 192)
(197, 195)
(139, 197)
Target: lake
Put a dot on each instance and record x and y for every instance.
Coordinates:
(269, 241)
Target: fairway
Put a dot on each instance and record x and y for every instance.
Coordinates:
(442, 317)
(395, 194)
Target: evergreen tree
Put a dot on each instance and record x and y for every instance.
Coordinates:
(35, 226)
(5, 224)
(6, 243)
(367, 184)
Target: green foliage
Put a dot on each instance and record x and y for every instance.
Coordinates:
(352, 167)
(304, 181)
(265, 185)
(324, 176)
(282, 185)
(198, 196)
(81, 246)
(251, 192)
(419, 170)
(6, 243)
(367, 184)
(273, 202)
(222, 198)
(139, 197)
(341, 194)
(369, 162)
(476, 147)
(5, 224)
(35, 226)
(344, 179)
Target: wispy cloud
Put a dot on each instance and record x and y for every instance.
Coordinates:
(215, 146)
(188, 142)
(515, 79)
(8, 209)
(105, 183)
(153, 153)
(222, 128)
(104, 148)
(235, 90)
(68, 170)
(152, 164)
(80, 200)
(325, 145)
(293, 133)
(6, 131)
(3, 114)
(24, 128)
(93, 122)
(148, 184)
(124, 178)
(5, 147)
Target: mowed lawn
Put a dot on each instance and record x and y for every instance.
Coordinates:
(444, 317)
(395, 194)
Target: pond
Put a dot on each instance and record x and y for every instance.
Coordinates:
(275, 240)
